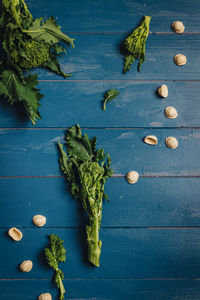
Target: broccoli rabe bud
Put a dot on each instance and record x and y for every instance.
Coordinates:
(30, 54)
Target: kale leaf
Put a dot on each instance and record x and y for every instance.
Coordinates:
(87, 169)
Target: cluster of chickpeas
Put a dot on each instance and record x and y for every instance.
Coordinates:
(170, 111)
(27, 265)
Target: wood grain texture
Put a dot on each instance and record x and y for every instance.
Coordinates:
(150, 202)
(127, 253)
(99, 57)
(105, 16)
(35, 153)
(138, 105)
(89, 289)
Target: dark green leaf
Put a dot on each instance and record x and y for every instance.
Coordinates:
(77, 145)
(48, 31)
(16, 90)
(54, 66)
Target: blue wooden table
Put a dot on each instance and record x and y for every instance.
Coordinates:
(150, 230)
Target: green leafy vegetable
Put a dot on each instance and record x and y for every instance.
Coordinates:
(55, 254)
(109, 96)
(135, 45)
(87, 169)
(27, 43)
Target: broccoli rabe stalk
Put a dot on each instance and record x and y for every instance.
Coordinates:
(92, 192)
(54, 254)
(87, 169)
(15, 10)
(27, 43)
(135, 45)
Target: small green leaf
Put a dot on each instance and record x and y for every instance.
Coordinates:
(109, 96)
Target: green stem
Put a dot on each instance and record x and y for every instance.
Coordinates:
(146, 21)
(105, 102)
(62, 289)
(16, 14)
(33, 31)
(94, 244)
(26, 8)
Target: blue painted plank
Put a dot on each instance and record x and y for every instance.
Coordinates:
(98, 57)
(104, 289)
(118, 15)
(150, 202)
(138, 105)
(34, 152)
(126, 253)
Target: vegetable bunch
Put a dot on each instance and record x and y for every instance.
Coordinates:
(135, 45)
(27, 43)
(87, 169)
(54, 254)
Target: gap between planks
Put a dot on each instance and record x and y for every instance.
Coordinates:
(102, 128)
(109, 227)
(113, 176)
(99, 279)
(118, 80)
(128, 33)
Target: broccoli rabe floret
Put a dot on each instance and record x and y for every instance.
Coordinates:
(30, 54)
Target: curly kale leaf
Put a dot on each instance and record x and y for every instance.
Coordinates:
(109, 96)
(87, 169)
(135, 45)
(55, 254)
